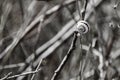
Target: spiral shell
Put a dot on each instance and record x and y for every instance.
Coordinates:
(83, 27)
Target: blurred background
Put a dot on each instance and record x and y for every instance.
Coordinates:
(35, 35)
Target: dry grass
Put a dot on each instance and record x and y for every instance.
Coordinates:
(39, 40)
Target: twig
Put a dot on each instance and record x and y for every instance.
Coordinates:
(65, 59)
(37, 69)
(23, 74)
(4, 78)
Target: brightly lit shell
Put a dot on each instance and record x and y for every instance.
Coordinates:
(83, 27)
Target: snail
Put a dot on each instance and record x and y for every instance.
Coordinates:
(83, 27)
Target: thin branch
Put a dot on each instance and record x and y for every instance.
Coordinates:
(23, 74)
(65, 59)
(37, 69)
(4, 78)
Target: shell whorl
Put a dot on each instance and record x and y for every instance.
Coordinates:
(83, 27)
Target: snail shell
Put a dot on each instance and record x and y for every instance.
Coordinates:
(83, 27)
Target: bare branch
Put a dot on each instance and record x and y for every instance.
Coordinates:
(23, 74)
(65, 59)
(37, 69)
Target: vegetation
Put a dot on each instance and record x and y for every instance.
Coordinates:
(59, 40)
